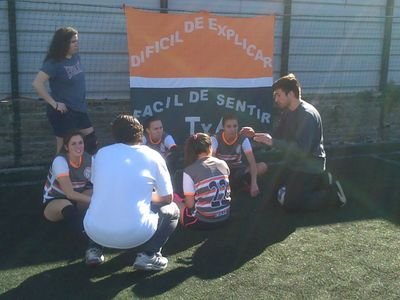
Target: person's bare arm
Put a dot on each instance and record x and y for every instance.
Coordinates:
(264, 138)
(39, 84)
(189, 201)
(67, 188)
(247, 132)
(161, 199)
(254, 190)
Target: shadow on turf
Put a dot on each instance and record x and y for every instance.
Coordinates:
(371, 187)
(256, 224)
(77, 281)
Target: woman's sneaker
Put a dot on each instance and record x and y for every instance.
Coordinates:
(94, 256)
(150, 263)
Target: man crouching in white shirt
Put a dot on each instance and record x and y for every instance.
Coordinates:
(131, 206)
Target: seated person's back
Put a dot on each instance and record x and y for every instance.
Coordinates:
(205, 186)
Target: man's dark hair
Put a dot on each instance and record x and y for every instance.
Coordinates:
(127, 129)
(149, 120)
(229, 116)
(287, 84)
(60, 43)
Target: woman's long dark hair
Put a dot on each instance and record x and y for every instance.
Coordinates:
(60, 43)
(196, 144)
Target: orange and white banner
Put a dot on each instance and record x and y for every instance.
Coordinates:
(198, 51)
(202, 49)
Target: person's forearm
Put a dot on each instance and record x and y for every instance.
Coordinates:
(42, 92)
(253, 173)
(189, 203)
(161, 199)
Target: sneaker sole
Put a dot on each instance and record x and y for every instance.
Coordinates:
(148, 268)
(93, 263)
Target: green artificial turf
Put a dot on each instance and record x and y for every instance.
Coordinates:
(263, 253)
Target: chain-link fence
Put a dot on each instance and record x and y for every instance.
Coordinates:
(332, 46)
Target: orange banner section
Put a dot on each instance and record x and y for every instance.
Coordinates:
(199, 45)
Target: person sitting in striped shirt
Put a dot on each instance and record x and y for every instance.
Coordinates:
(156, 138)
(68, 190)
(230, 146)
(206, 188)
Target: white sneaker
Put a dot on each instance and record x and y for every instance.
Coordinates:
(150, 263)
(340, 194)
(94, 256)
(281, 195)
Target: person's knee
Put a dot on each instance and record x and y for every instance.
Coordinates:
(170, 211)
(91, 143)
(52, 217)
(53, 210)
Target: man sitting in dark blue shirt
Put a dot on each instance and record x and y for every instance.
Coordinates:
(304, 183)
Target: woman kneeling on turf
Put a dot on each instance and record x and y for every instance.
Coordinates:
(205, 186)
(68, 189)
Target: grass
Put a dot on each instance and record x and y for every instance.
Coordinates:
(349, 253)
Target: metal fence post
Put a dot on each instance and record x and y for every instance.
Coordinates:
(12, 35)
(164, 6)
(287, 12)
(387, 38)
